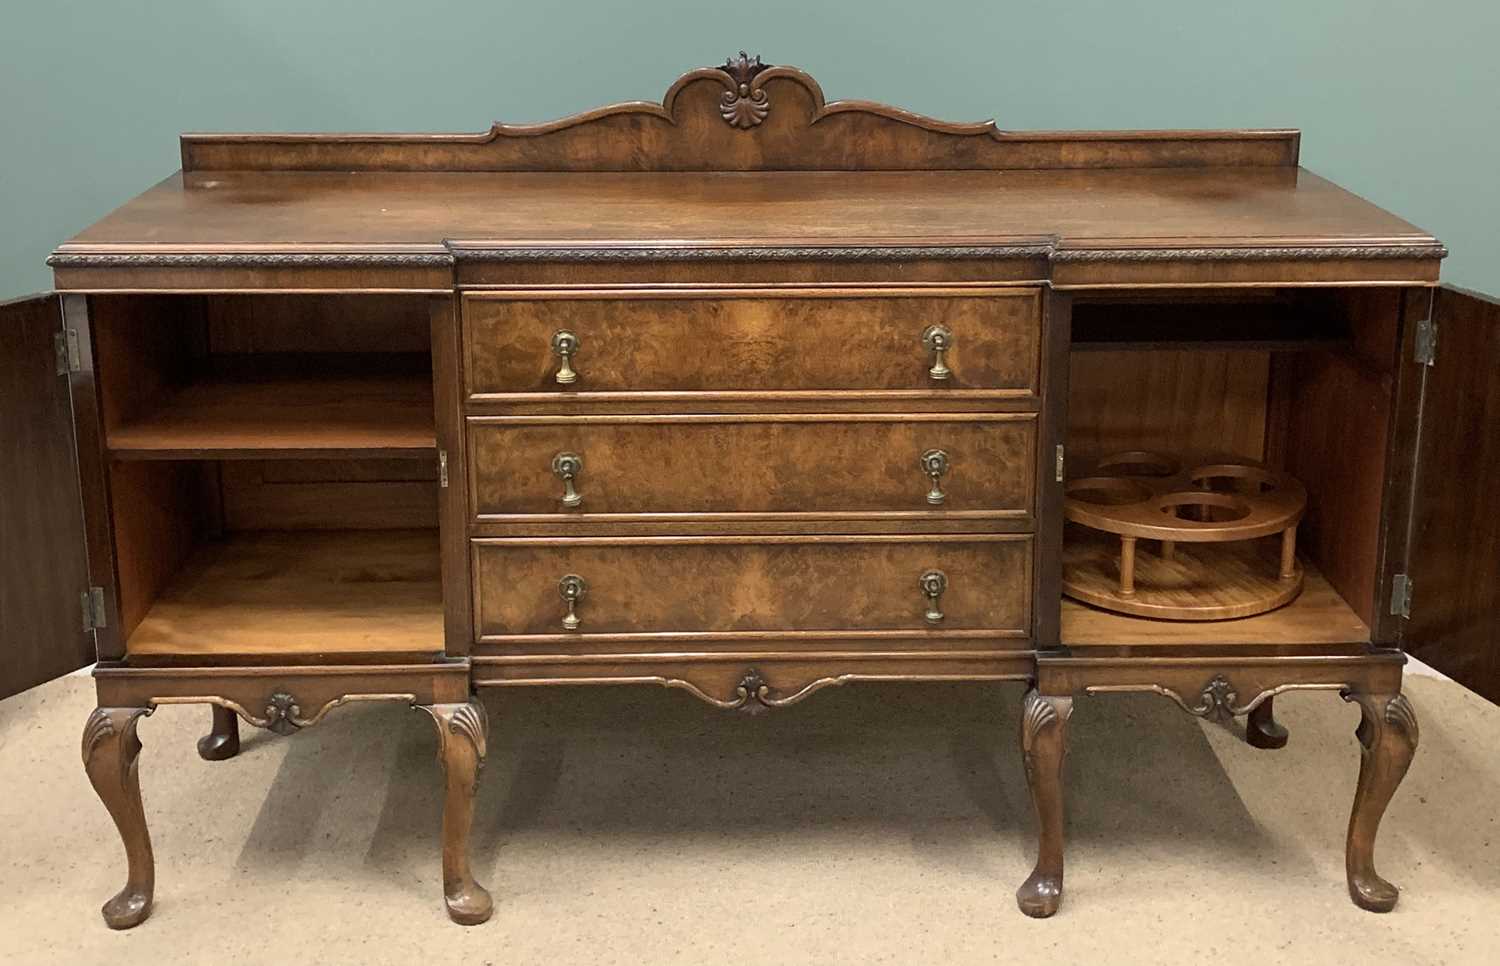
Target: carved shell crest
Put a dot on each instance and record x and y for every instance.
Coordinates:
(745, 104)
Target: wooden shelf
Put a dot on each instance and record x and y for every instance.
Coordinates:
(1318, 616)
(300, 595)
(296, 417)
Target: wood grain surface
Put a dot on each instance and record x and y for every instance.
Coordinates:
(713, 342)
(667, 585)
(801, 464)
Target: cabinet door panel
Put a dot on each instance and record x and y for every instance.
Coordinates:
(1454, 559)
(42, 565)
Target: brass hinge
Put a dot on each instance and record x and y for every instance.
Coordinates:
(1059, 463)
(93, 608)
(443, 468)
(1424, 349)
(1401, 596)
(69, 359)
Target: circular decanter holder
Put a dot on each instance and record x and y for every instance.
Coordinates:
(1206, 517)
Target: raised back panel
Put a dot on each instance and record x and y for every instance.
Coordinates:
(743, 116)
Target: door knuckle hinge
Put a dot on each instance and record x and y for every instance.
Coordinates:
(1424, 348)
(1401, 591)
(69, 358)
(93, 608)
(443, 468)
(1059, 463)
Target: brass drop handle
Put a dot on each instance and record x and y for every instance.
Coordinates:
(933, 583)
(564, 345)
(938, 339)
(567, 466)
(572, 588)
(935, 464)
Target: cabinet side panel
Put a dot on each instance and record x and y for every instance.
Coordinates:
(42, 565)
(1338, 410)
(453, 517)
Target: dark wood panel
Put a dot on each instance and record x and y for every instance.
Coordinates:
(161, 510)
(725, 585)
(316, 323)
(1205, 401)
(43, 569)
(1336, 444)
(708, 342)
(359, 494)
(788, 464)
(1455, 550)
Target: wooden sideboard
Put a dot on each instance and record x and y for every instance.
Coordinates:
(747, 394)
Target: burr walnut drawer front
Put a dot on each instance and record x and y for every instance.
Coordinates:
(688, 343)
(597, 467)
(897, 588)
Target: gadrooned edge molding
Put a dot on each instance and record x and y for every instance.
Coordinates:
(869, 253)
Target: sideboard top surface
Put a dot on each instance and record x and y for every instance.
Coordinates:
(740, 157)
(427, 211)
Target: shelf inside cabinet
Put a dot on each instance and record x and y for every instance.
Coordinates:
(298, 595)
(1319, 616)
(288, 416)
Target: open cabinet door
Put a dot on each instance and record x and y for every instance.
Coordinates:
(1454, 556)
(43, 567)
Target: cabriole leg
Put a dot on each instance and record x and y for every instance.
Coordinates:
(1262, 730)
(1387, 736)
(223, 739)
(110, 754)
(462, 733)
(1044, 721)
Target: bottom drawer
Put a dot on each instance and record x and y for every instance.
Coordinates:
(881, 587)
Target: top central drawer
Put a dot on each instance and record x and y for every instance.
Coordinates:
(974, 342)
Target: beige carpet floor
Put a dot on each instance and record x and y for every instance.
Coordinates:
(870, 824)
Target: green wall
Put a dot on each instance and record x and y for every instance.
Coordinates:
(1399, 101)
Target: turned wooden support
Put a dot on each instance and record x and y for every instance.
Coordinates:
(223, 739)
(463, 731)
(1044, 721)
(110, 755)
(1289, 553)
(1388, 737)
(1127, 566)
(1168, 549)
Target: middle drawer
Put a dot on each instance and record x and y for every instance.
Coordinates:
(927, 467)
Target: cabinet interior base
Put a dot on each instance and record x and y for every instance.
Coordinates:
(280, 593)
(1318, 616)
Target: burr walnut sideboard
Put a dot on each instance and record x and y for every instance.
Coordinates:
(747, 394)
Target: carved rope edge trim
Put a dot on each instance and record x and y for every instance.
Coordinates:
(1272, 253)
(251, 260)
(868, 253)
